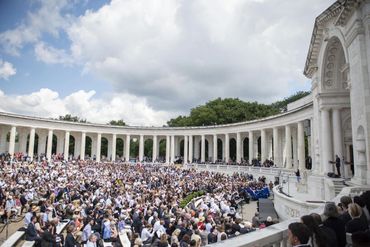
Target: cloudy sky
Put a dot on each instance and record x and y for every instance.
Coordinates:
(146, 61)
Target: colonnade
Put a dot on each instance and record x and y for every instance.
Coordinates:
(285, 145)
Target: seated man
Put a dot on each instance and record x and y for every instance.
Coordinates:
(298, 235)
(31, 233)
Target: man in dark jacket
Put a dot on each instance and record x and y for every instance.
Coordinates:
(336, 224)
(31, 233)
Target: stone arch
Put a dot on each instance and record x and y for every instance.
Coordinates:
(335, 70)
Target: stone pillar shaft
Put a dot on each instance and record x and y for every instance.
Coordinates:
(288, 147)
(227, 148)
(172, 149)
(154, 151)
(215, 149)
(12, 140)
(114, 144)
(203, 149)
(301, 146)
(251, 143)
(50, 145)
(275, 134)
(238, 147)
(98, 147)
(31, 143)
(326, 141)
(186, 149)
(191, 149)
(83, 145)
(127, 148)
(66, 145)
(141, 148)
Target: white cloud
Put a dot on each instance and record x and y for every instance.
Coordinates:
(47, 103)
(178, 54)
(51, 55)
(6, 70)
(47, 19)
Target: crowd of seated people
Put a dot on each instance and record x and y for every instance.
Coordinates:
(339, 225)
(104, 199)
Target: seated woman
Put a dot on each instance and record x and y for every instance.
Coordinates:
(357, 223)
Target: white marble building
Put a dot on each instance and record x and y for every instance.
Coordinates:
(335, 118)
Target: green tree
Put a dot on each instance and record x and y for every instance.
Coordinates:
(231, 110)
(70, 118)
(117, 122)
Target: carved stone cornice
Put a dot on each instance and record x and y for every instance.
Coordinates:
(341, 10)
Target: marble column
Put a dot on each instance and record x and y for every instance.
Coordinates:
(295, 145)
(196, 148)
(227, 148)
(186, 154)
(172, 149)
(215, 148)
(154, 151)
(12, 140)
(191, 149)
(338, 137)
(203, 149)
(141, 148)
(98, 147)
(114, 144)
(66, 145)
(167, 149)
(31, 143)
(83, 146)
(127, 148)
(251, 149)
(263, 146)
(209, 158)
(288, 147)
(326, 141)
(301, 146)
(276, 141)
(238, 147)
(50, 145)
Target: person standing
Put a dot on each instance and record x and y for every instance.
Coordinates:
(337, 164)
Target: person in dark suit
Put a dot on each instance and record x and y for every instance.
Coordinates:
(330, 237)
(70, 240)
(31, 233)
(337, 225)
(47, 238)
(212, 237)
(298, 234)
(357, 223)
(345, 201)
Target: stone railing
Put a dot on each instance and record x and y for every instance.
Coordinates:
(277, 235)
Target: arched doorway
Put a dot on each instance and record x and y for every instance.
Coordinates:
(162, 150)
(36, 143)
(72, 145)
(246, 148)
(148, 149)
(220, 149)
(104, 147)
(232, 146)
(88, 146)
(334, 85)
(119, 147)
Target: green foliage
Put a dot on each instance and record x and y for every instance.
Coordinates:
(282, 105)
(70, 118)
(231, 110)
(190, 197)
(117, 122)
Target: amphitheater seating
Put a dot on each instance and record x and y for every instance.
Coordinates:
(13, 239)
